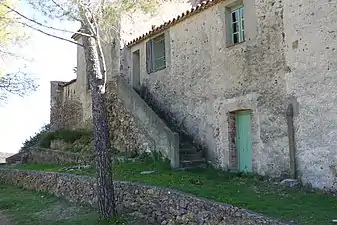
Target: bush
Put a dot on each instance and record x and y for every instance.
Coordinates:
(68, 136)
(34, 141)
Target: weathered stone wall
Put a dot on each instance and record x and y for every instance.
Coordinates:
(69, 115)
(14, 158)
(138, 23)
(156, 205)
(73, 110)
(311, 54)
(47, 156)
(165, 141)
(59, 144)
(66, 108)
(126, 134)
(205, 80)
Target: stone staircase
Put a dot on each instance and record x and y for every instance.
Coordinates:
(190, 155)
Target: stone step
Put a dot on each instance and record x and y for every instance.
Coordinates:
(191, 155)
(191, 163)
(186, 144)
(190, 150)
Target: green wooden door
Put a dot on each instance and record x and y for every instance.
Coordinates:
(244, 141)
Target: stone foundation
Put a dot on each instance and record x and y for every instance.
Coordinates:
(157, 205)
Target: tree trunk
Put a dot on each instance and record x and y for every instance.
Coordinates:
(102, 145)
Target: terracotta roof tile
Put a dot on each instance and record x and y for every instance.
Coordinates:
(200, 7)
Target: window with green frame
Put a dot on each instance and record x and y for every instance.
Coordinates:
(237, 25)
(155, 54)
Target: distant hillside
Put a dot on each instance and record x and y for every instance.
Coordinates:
(3, 156)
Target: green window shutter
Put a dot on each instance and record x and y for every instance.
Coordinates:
(149, 65)
(159, 53)
(237, 25)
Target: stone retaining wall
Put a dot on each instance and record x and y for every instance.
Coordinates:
(47, 156)
(157, 205)
(14, 158)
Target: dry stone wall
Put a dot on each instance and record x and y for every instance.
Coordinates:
(66, 108)
(156, 205)
(47, 156)
(126, 135)
(14, 158)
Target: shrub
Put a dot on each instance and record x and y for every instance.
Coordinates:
(34, 140)
(68, 136)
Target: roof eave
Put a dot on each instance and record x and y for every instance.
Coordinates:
(200, 7)
(68, 83)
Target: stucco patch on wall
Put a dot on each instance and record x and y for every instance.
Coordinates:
(312, 81)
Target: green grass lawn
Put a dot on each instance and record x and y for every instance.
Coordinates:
(25, 207)
(301, 205)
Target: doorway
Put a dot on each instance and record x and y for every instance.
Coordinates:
(136, 70)
(244, 140)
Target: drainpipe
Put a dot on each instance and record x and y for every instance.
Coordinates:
(291, 137)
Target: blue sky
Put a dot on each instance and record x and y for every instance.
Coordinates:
(53, 59)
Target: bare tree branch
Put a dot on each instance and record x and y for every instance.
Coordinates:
(65, 11)
(5, 54)
(18, 83)
(39, 30)
(38, 23)
(88, 20)
(51, 35)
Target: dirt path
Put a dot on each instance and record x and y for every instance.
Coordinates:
(3, 220)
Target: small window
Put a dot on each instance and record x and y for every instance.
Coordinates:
(237, 25)
(155, 54)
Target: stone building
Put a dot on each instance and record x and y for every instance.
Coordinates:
(225, 74)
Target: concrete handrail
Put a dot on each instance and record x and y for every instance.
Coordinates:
(166, 141)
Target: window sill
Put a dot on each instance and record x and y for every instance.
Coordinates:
(232, 45)
(158, 70)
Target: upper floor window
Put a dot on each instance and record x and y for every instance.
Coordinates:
(237, 25)
(155, 54)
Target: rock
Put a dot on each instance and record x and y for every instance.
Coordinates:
(290, 183)
(72, 168)
(147, 172)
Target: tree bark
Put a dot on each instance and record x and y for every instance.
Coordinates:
(102, 144)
